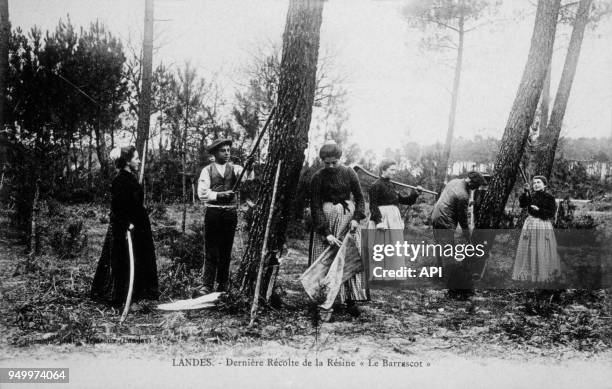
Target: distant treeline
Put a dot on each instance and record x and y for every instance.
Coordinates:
(483, 150)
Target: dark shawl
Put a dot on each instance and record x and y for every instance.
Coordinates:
(543, 200)
(335, 185)
(383, 193)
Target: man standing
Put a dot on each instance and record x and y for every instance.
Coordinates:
(452, 209)
(215, 189)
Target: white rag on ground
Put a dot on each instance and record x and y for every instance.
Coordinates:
(206, 301)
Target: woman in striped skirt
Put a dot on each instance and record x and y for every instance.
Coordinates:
(537, 259)
(337, 205)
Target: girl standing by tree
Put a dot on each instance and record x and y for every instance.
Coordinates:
(537, 259)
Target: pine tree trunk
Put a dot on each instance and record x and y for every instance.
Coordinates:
(184, 153)
(68, 175)
(161, 123)
(112, 134)
(89, 158)
(184, 179)
(101, 149)
(32, 241)
(443, 168)
(173, 140)
(5, 31)
(534, 144)
(545, 102)
(512, 146)
(549, 138)
(144, 104)
(288, 136)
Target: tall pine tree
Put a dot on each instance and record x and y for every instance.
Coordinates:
(288, 135)
(512, 146)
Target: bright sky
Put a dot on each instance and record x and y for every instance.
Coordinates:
(395, 91)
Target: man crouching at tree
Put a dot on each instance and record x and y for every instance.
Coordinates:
(452, 209)
(215, 189)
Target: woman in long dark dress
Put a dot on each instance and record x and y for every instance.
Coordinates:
(111, 282)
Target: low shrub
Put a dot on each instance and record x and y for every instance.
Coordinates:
(68, 239)
(186, 249)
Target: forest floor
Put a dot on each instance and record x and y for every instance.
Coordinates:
(46, 315)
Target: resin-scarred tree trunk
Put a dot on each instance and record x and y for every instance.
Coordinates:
(144, 103)
(515, 136)
(549, 137)
(443, 167)
(5, 32)
(288, 135)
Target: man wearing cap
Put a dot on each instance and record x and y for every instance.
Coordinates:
(452, 209)
(215, 189)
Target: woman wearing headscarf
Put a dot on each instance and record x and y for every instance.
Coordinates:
(337, 205)
(386, 225)
(537, 259)
(111, 281)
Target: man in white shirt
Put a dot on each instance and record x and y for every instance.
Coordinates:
(215, 189)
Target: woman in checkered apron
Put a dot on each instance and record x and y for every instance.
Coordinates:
(537, 259)
(386, 225)
(337, 205)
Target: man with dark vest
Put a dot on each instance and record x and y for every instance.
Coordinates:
(215, 190)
